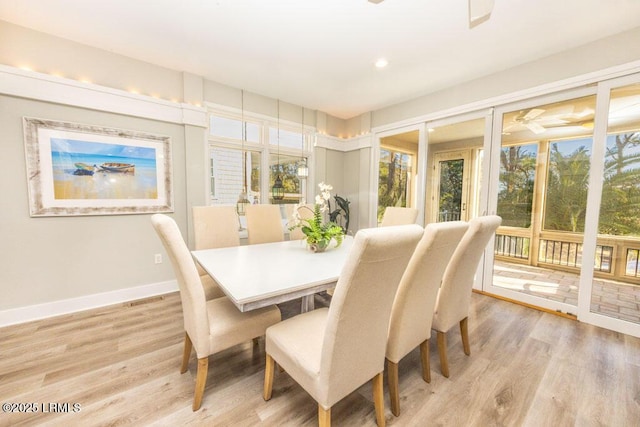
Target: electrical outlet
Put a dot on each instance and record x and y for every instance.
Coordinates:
(158, 258)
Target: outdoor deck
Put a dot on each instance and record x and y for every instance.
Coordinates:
(611, 298)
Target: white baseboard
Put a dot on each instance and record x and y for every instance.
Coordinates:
(72, 305)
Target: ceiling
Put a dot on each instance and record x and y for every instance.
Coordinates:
(321, 53)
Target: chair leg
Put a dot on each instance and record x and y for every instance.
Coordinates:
(186, 353)
(324, 416)
(394, 394)
(442, 350)
(378, 399)
(424, 356)
(268, 378)
(464, 331)
(201, 381)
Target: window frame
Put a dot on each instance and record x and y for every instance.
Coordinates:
(264, 146)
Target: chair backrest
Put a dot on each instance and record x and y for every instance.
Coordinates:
(196, 322)
(264, 224)
(415, 299)
(398, 216)
(355, 339)
(215, 227)
(305, 212)
(455, 292)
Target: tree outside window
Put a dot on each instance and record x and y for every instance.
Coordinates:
(621, 187)
(394, 170)
(517, 176)
(567, 185)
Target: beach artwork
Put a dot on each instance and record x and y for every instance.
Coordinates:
(95, 170)
(87, 170)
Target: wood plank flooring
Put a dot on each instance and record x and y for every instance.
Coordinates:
(121, 365)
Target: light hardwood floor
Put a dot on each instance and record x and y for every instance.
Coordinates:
(121, 364)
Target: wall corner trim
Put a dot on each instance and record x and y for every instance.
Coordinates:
(72, 305)
(59, 90)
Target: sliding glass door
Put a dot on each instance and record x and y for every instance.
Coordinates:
(540, 173)
(611, 285)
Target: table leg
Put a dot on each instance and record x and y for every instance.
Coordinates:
(308, 303)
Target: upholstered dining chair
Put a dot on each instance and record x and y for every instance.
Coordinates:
(210, 326)
(454, 296)
(264, 224)
(306, 212)
(398, 216)
(412, 311)
(214, 227)
(332, 351)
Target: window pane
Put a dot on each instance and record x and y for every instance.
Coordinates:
(232, 128)
(517, 174)
(288, 139)
(567, 185)
(450, 206)
(226, 175)
(621, 186)
(288, 170)
(393, 178)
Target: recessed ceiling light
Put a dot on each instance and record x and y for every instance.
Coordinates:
(381, 63)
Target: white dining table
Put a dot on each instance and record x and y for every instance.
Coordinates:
(254, 276)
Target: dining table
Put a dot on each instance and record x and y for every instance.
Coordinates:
(259, 275)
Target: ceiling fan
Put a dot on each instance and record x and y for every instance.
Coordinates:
(479, 11)
(538, 120)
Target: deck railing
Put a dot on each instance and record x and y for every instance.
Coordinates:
(616, 257)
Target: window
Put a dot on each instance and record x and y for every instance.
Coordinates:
(287, 168)
(517, 175)
(394, 179)
(227, 180)
(263, 158)
(621, 186)
(567, 185)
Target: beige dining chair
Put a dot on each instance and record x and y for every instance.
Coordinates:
(210, 326)
(398, 216)
(264, 224)
(306, 212)
(214, 227)
(332, 351)
(412, 312)
(454, 297)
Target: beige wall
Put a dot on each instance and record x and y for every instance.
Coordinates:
(56, 258)
(22, 47)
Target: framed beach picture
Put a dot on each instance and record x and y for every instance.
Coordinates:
(75, 169)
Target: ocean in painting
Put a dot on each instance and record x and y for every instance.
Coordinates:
(90, 181)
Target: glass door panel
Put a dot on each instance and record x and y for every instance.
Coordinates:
(455, 163)
(451, 186)
(615, 290)
(396, 171)
(543, 163)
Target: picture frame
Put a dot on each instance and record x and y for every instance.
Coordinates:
(76, 169)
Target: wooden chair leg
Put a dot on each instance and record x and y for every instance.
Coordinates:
(201, 381)
(324, 416)
(464, 331)
(186, 353)
(424, 356)
(394, 394)
(268, 378)
(442, 350)
(378, 399)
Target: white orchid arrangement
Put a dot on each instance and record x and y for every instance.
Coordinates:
(319, 233)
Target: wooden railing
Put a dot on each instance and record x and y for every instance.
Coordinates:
(616, 257)
(448, 216)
